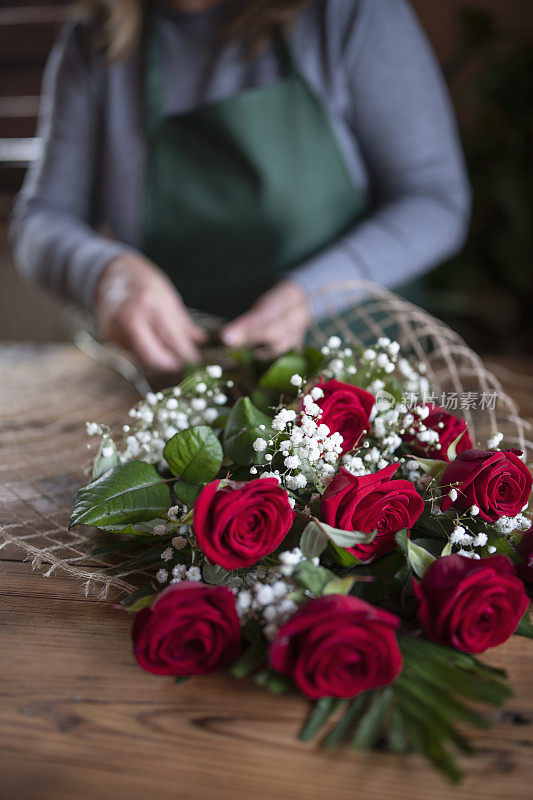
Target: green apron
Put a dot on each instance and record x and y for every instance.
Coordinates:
(241, 190)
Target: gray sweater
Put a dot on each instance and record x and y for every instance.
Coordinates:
(368, 62)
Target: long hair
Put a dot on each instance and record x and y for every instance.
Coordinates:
(119, 22)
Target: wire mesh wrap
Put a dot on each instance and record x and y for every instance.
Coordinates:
(46, 395)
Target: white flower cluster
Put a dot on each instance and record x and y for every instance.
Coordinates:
(198, 400)
(413, 425)
(495, 440)
(382, 357)
(342, 359)
(265, 594)
(508, 525)
(414, 381)
(309, 450)
(463, 539)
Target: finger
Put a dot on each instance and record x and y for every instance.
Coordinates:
(177, 338)
(247, 329)
(198, 335)
(173, 326)
(150, 350)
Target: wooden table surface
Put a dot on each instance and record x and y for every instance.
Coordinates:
(80, 720)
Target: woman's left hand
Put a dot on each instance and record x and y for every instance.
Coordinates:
(276, 322)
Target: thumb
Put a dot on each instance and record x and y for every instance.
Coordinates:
(237, 332)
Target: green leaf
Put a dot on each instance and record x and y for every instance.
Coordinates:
(215, 574)
(402, 539)
(317, 534)
(273, 681)
(419, 558)
(142, 602)
(341, 556)
(312, 577)
(525, 628)
(134, 596)
(241, 431)
(278, 376)
(446, 550)
(187, 492)
(344, 729)
(339, 585)
(139, 529)
(250, 660)
(432, 466)
(194, 455)
(452, 449)
(372, 721)
(133, 492)
(320, 713)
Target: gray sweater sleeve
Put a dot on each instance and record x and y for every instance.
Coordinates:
(404, 123)
(52, 231)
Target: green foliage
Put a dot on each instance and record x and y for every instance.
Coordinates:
(525, 628)
(133, 492)
(312, 577)
(252, 658)
(317, 535)
(215, 574)
(187, 492)
(452, 448)
(277, 378)
(194, 455)
(419, 558)
(419, 711)
(241, 431)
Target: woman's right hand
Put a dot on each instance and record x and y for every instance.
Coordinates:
(138, 307)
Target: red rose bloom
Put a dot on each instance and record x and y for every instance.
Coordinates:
(338, 646)
(525, 549)
(346, 410)
(191, 629)
(447, 426)
(371, 503)
(241, 522)
(470, 604)
(495, 481)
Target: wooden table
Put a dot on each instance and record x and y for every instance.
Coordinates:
(80, 720)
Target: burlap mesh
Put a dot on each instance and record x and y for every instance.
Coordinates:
(43, 410)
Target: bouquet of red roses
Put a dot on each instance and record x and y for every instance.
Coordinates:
(321, 524)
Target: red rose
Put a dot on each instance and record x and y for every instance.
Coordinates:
(338, 646)
(371, 503)
(470, 604)
(346, 410)
(525, 549)
(191, 629)
(241, 522)
(497, 482)
(447, 426)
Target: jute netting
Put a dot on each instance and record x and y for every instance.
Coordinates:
(47, 394)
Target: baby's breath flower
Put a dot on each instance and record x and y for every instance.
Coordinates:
(161, 575)
(179, 542)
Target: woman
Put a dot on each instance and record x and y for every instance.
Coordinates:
(238, 156)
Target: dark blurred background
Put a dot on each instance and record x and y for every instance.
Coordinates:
(486, 50)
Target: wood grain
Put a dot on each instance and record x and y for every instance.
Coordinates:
(79, 719)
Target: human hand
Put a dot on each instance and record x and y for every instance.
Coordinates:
(276, 322)
(138, 307)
